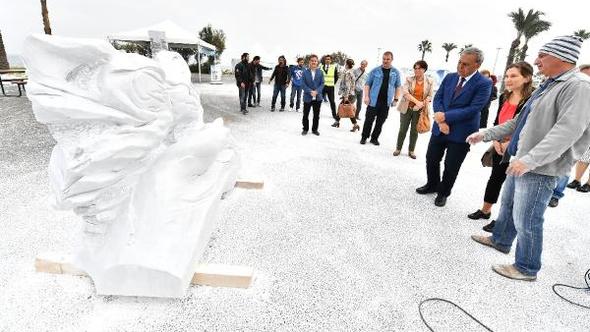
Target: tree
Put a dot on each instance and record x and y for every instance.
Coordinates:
(339, 57)
(425, 46)
(521, 23)
(131, 47)
(3, 57)
(186, 53)
(464, 47)
(45, 14)
(535, 27)
(215, 37)
(582, 34)
(448, 48)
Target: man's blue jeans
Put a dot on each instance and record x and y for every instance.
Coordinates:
(295, 91)
(524, 201)
(562, 181)
(282, 89)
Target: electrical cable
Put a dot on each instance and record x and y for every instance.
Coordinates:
(434, 299)
(587, 288)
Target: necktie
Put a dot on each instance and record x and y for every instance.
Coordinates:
(513, 146)
(458, 88)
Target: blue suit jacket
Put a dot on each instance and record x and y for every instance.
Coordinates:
(309, 85)
(463, 112)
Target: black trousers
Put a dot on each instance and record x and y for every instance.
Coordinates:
(483, 120)
(254, 96)
(456, 153)
(380, 112)
(494, 186)
(329, 91)
(316, 104)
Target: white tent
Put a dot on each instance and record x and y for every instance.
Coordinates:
(176, 36)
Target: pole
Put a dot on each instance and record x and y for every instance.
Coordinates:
(199, 61)
(496, 61)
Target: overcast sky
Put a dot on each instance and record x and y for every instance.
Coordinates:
(270, 27)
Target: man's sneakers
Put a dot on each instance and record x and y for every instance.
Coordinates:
(303, 133)
(315, 132)
(510, 271)
(553, 202)
(487, 241)
(375, 141)
(364, 140)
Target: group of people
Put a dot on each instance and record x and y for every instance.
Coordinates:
(537, 137)
(538, 134)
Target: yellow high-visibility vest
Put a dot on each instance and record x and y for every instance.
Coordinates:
(329, 76)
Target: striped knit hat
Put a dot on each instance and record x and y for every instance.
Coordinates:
(566, 48)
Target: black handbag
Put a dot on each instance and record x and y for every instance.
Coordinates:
(487, 160)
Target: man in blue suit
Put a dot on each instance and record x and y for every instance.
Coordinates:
(457, 106)
(313, 86)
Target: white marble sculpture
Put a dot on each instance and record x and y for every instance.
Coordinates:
(133, 158)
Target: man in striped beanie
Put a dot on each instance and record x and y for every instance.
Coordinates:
(550, 133)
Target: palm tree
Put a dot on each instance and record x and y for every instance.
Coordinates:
(464, 47)
(448, 48)
(582, 34)
(534, 28)
(425, 46)
(45, 15)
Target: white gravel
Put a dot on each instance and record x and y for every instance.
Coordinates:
(338, 237)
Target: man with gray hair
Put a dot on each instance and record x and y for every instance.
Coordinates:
(457, 105)
(550, 133)
(360, 77)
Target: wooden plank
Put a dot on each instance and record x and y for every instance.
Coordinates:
(249, 184)
(218, 275)
(215, 275)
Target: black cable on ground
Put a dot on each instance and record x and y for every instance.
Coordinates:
(587, 288)
(435, 299)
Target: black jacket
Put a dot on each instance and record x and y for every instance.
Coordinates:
(258, 71)
(281, 75)
(243, 74)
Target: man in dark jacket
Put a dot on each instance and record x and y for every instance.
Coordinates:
(243, 81)
(282, 78)
(257, 68)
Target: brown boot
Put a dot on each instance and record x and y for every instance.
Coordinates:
(487, 241)
(510, 271)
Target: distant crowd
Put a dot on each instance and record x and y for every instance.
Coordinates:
(537, 137)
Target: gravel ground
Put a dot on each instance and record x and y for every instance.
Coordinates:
(338, 237)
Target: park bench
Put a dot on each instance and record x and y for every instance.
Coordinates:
(8, 76)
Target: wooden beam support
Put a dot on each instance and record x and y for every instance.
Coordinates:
(249, 184)
(215, 275)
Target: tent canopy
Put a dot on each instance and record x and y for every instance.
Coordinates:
(176, 36)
